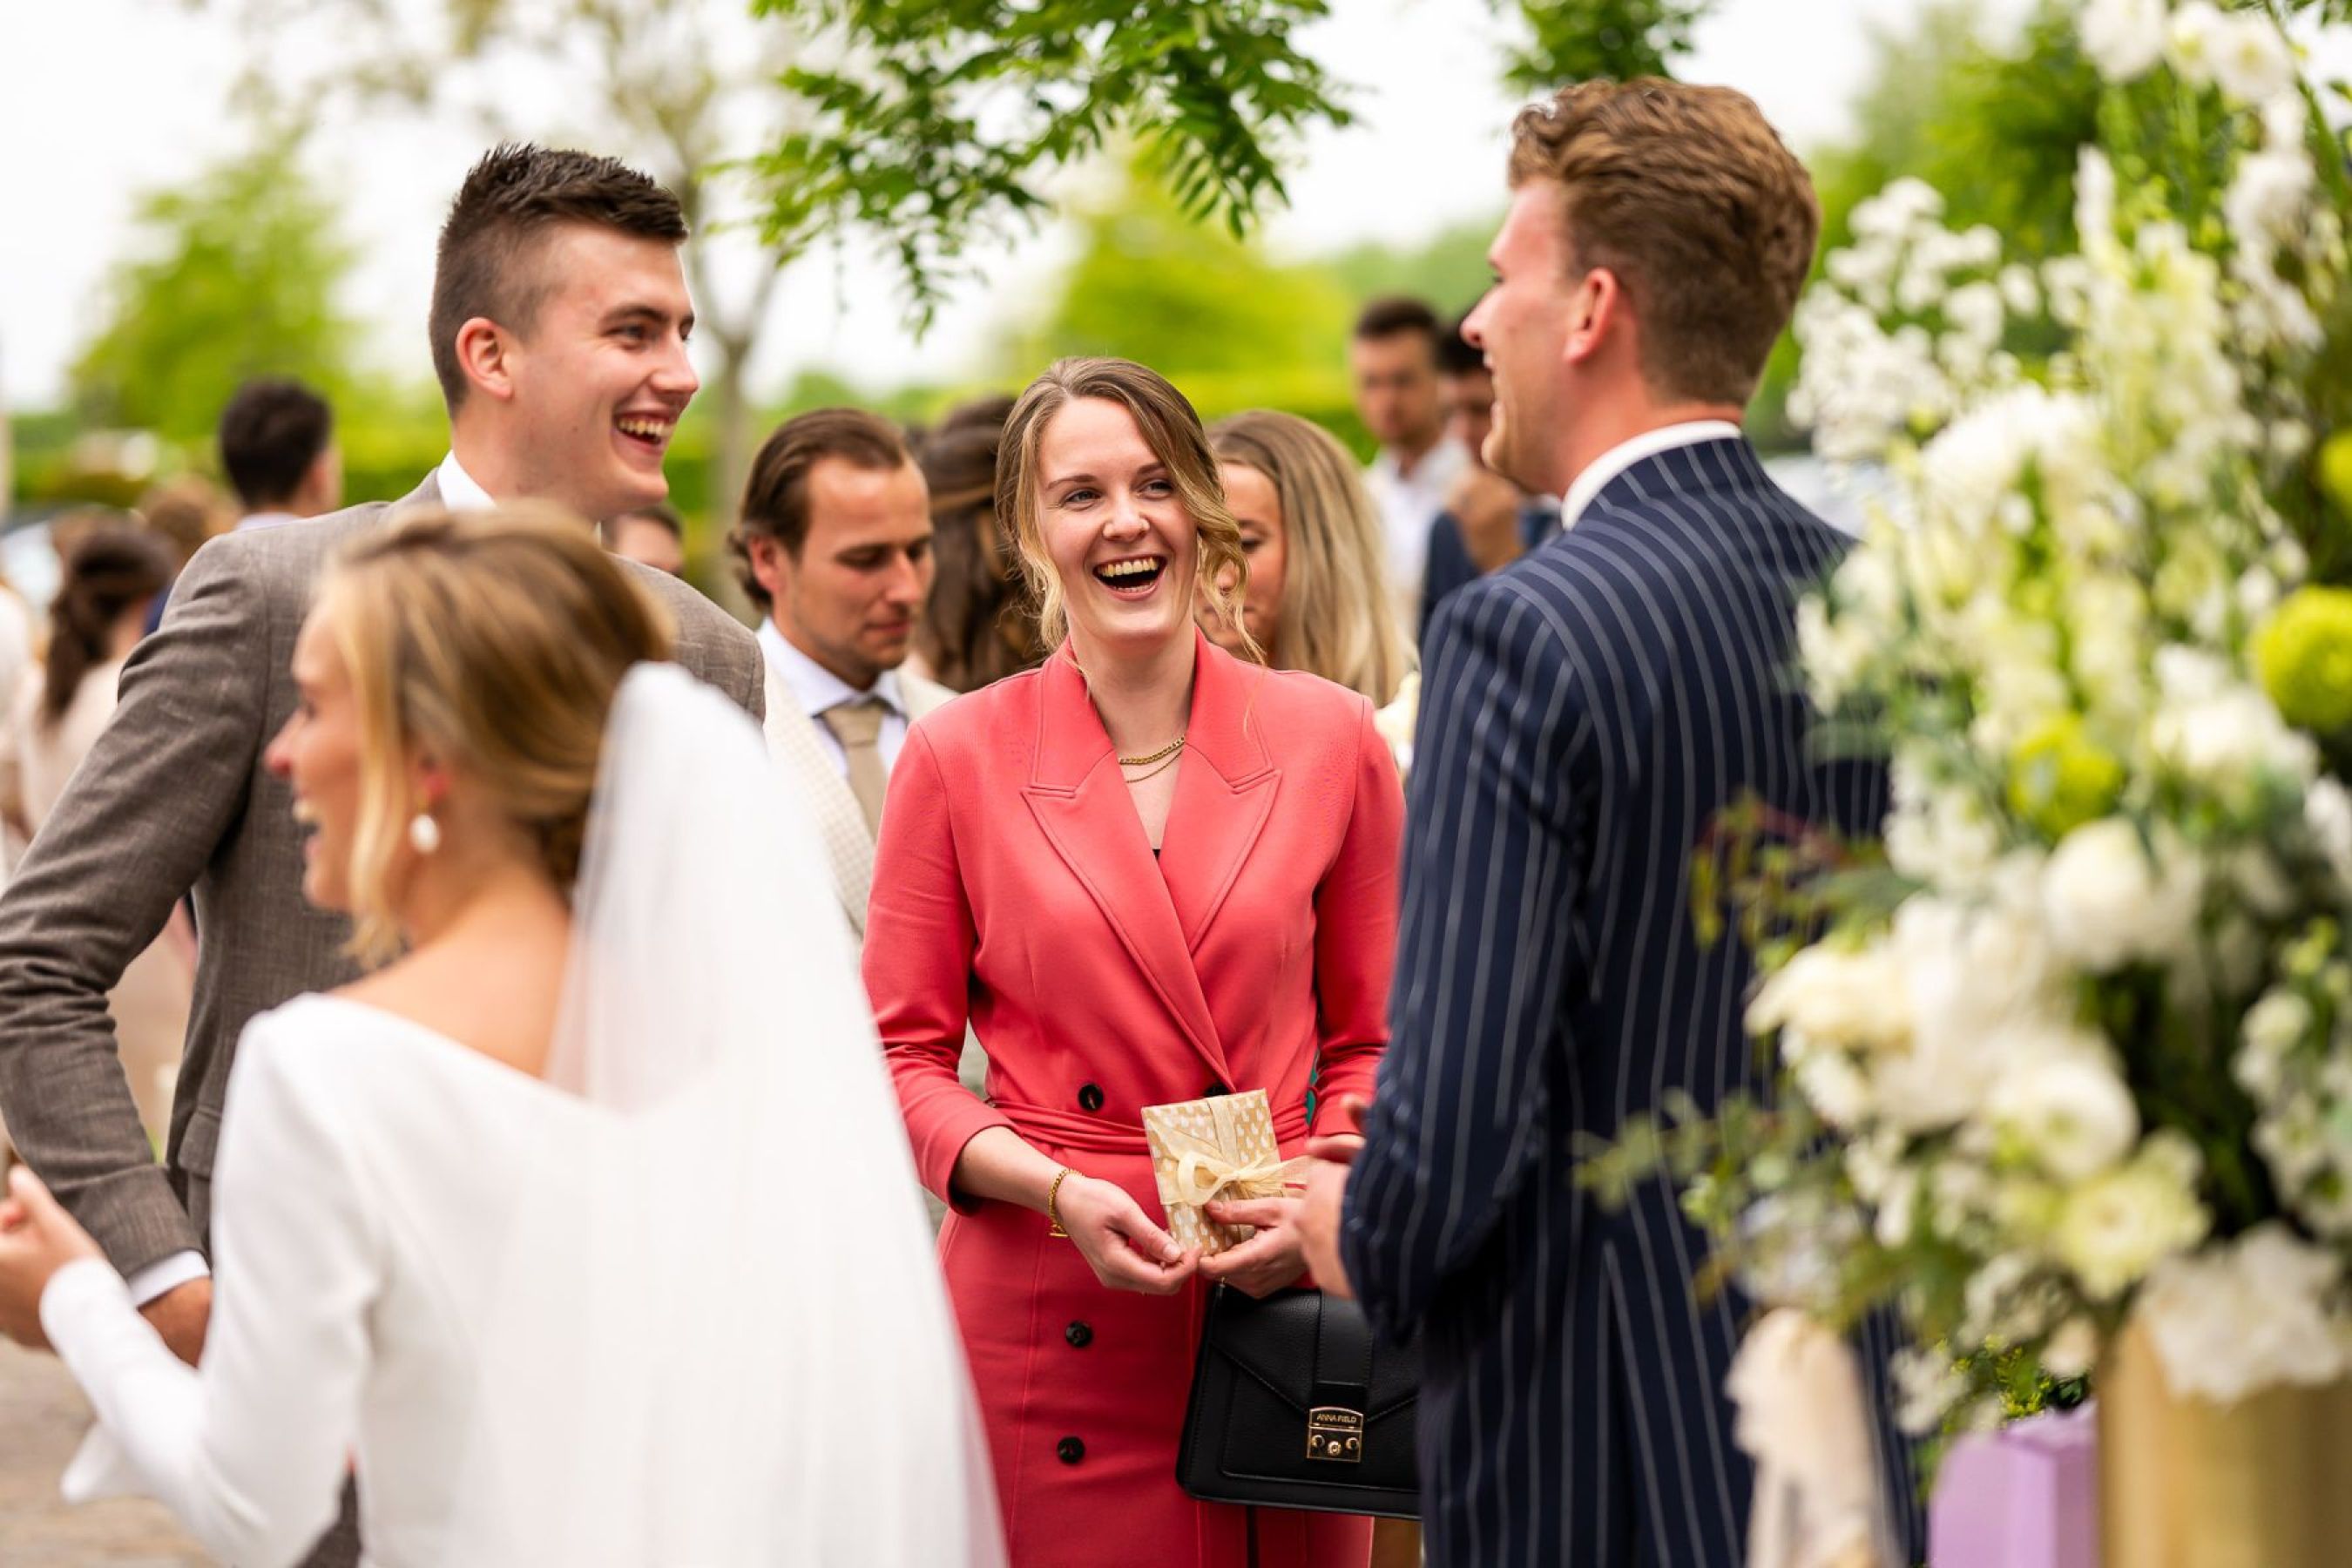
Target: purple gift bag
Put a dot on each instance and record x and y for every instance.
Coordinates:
(2024, 1496)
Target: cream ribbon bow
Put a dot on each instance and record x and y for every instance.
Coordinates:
(1801, 1418)
(1206, 1176)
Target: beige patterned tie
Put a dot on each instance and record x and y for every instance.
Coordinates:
(857, 725)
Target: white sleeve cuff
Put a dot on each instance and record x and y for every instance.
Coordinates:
(166, 1274)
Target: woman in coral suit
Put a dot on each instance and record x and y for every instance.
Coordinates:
(1148, 872)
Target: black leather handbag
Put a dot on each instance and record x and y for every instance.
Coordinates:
(1293, 1406)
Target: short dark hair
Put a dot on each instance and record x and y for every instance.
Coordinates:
(270, 434)
(775, 498)
(1398, 314)
(660, 515)
(1457, 355)
(504, 210)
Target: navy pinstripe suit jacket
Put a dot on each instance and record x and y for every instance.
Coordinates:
(1585, 716)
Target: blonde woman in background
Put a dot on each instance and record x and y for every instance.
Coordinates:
(1318, 597)
(113, 576)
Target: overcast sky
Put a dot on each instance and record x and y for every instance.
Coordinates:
(105, 99)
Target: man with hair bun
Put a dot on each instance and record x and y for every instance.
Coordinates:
(559, 325)
(1588, 713)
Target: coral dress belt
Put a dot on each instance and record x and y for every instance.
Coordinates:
(1094, 1135)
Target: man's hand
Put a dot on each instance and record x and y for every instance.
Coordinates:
(180, 1316)
(1266, 1262)
(1487, 507)
(1327, 1190)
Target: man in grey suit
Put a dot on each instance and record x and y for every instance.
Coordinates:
(559, 320)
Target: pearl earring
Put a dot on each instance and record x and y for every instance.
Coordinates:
(424, 833)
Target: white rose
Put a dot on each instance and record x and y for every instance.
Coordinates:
(2251, 60)
(2072, 1351)
(2124, 37)
(1834, 1087)
(2190, 38)
(2114, 1228)
(2276, 1025)
(1832, 997)
(2108, 902)
(2267, 196)
(2065, 1104)
(2248, 1316)
(2327, 813)
(1835, 652)
(2227, 740)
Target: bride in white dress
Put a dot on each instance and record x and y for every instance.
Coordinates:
(585, 1230)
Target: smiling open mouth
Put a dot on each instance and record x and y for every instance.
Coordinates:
(1137, 577)
(644, 430)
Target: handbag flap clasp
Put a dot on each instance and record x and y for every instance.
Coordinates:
(1335, 1433)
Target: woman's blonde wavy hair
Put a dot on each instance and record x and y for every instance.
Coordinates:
(1338, 619)
(497, 641)
(1171, 429)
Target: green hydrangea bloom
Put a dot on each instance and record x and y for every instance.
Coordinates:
(2336, 471)
(2305, 658)
(2059, 778)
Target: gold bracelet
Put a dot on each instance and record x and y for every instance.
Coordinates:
(1053, 1193)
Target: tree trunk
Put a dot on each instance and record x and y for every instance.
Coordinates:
(731, 465)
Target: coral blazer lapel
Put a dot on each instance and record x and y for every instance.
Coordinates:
(1224, 792)
(1081, 804)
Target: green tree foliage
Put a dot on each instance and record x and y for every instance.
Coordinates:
(1994, 125)
(1448, 269)
(235, 275)
(946, 117)
(1214, 314)
(1577, 40)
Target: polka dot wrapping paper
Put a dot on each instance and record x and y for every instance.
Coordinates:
(1217, 1149)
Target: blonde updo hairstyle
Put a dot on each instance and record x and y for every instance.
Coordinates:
(496, 642)
(1171, 429)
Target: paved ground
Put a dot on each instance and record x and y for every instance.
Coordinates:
(42, 1418)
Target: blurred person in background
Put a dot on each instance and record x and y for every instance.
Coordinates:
(651, 536)
(184, 512)
(1488, 521)
(977, 627)
(278, 448)
(1318, 597)
(835, 546)
(111, 578)
(1392, 362)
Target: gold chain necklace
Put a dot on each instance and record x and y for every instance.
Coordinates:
(1169, 750)
(1173, 759)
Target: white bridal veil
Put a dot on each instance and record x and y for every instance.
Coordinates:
(720, 1289)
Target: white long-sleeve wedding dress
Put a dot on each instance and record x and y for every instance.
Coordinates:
(674, 1304)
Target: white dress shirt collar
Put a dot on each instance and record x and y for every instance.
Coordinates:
(1626, 454)
(458, 490)
(817, 687)
(254, 521)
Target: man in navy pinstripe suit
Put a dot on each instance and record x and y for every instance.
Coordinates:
(1585, 715)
